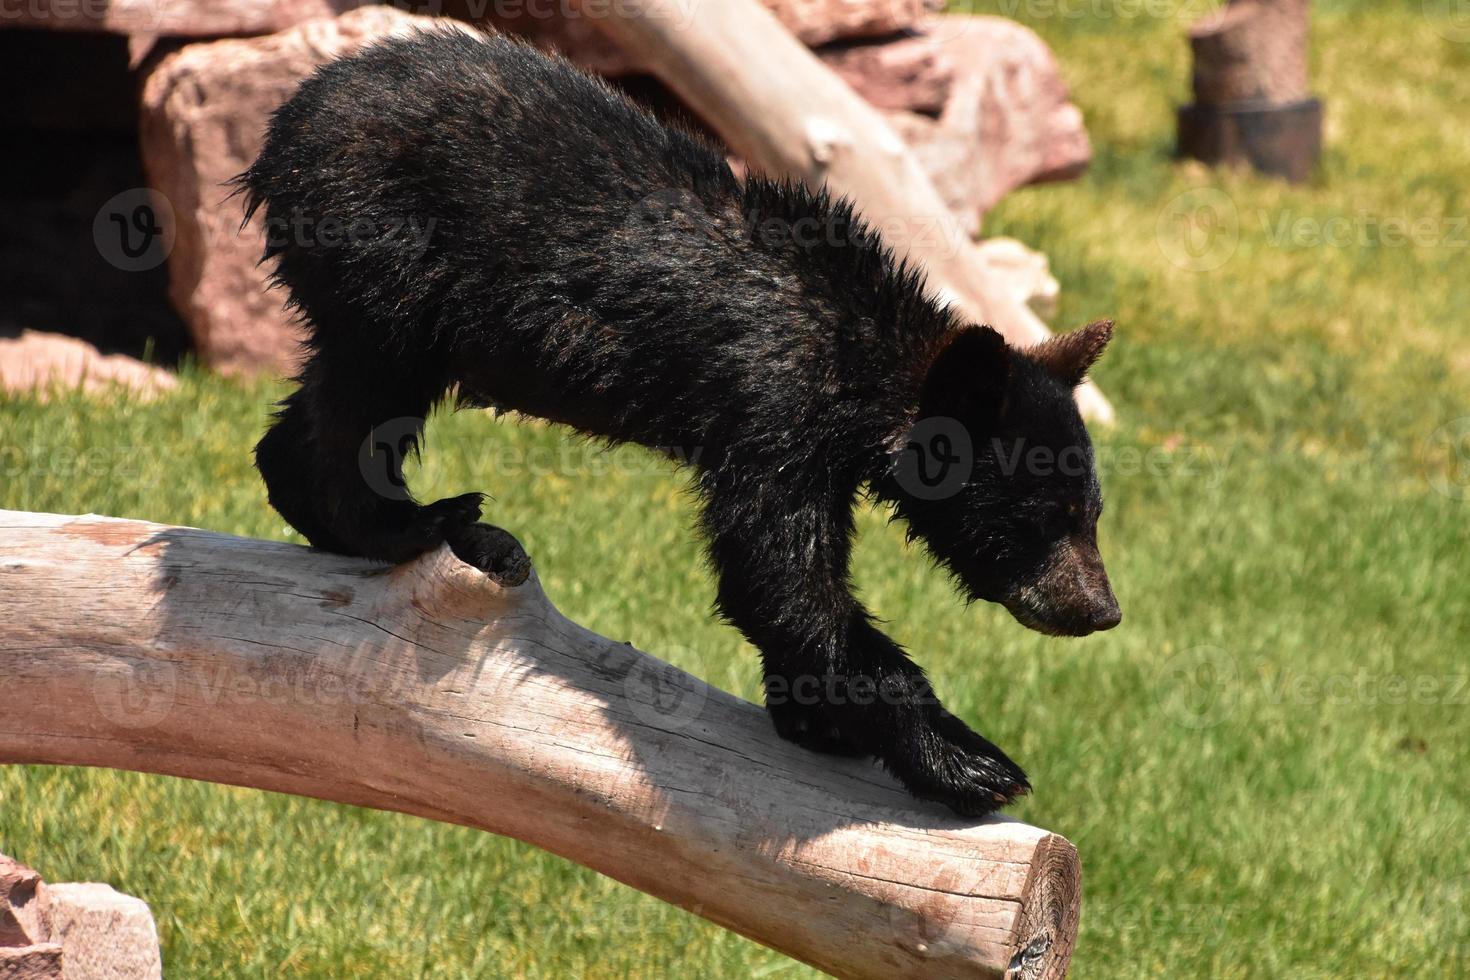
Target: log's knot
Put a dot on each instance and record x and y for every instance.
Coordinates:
(442, 587)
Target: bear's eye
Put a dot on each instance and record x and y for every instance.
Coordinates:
(1051, 519)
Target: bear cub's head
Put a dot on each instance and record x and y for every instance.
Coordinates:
(998, 477)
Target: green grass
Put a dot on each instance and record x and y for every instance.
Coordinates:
(1252, 791)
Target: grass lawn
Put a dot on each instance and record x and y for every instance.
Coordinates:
(1266, 768)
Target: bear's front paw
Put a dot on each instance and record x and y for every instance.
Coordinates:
(812, 726)
(943, 760)
(493, 551)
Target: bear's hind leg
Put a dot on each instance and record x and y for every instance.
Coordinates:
(333, 464)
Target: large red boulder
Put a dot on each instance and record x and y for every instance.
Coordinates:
(72, 932)
(981, 100)
(204, 112)
(181, 18)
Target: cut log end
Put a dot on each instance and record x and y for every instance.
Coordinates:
(1051, 909)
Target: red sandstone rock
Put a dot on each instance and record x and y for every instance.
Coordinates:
(38, 362)
(79, 932)
(41, 961)
(104, 934)
(23, 920)
(204, 113)
(183, 18)
(980, 100)
(815, 22)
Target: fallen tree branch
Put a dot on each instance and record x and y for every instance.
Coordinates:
(782, 110)
(427, 689)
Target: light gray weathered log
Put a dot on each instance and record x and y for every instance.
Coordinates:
(430, 690)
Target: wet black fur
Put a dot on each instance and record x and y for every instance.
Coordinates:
(590, 266)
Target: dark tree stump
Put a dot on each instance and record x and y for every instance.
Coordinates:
(1252, 104)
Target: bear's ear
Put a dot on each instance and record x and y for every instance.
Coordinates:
(970, 378)
(1070, 356)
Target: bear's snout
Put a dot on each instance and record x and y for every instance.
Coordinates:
(1071, 595)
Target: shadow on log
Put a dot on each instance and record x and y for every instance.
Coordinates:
(429, 690)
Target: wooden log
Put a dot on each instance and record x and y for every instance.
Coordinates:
(784, 112)
(428, 689)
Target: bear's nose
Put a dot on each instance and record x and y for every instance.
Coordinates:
(1106, 615)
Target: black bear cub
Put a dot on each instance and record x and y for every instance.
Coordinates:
(451, 211)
